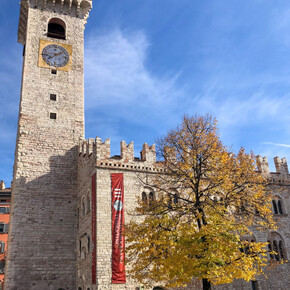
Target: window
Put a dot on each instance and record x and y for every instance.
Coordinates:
(56, 28)
(247, 244)
(144, 197)
(2, 266)
(4, 209)
(276, 243)
(89, 244)
(4, 228)
(2, 247)
(52, 116)
(151, 198)
(277, 205)
(53, 97)
(53, 71)
(254, 285)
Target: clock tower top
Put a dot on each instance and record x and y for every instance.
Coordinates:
(74, 8)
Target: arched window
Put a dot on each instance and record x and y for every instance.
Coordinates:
(56, 28)
(278, 206)
(247, 244)
(281, 249)
(144, 197)
(151, 198)
(275, 248)
(275, 207)
(276, 243)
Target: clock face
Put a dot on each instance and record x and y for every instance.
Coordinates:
(55, 55)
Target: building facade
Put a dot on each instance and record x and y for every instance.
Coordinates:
(61, 225)
(5, 198)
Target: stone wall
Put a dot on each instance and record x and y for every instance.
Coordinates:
(94, 157)
(43, 220)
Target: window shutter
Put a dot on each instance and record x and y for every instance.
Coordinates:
(6, 228)
(7, 209)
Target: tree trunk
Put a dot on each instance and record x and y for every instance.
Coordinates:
(206, 284)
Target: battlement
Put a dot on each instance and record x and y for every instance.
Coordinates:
(280, 164)
(74, 8)
(101, 151)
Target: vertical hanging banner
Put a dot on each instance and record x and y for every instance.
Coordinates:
(118, 221)
(94, 258)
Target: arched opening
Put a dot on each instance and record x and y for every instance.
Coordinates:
(56, 28)
(278, 206)
(275, 209)
(247, 244)
(158, 288)
(151, 198)
(80, 288)
(276, 243)
(144, 197)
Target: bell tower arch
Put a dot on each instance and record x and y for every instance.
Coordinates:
(42, 236)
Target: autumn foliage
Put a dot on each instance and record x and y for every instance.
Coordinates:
(199, 222)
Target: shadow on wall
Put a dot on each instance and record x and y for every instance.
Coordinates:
(42, 238)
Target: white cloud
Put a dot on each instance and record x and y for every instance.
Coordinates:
(116, 75)
(277, 144)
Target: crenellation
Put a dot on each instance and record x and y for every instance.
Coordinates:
(262, 164)
(103, 150)
(281, 165)
(148, 153)
(127, 152)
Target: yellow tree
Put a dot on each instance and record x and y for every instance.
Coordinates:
(205, 205)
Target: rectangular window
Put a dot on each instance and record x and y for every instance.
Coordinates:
(53, 71)
(2, 209)
(53, 97)
(254, 285)
(3, 200)
(52, 116)
(2, 266)
(2, 247)
(1, 228)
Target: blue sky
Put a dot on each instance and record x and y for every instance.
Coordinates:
(147, 63)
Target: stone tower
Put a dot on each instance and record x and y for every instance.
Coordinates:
(42, 239)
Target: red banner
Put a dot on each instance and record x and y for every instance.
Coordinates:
(118, 221)
(94, 257)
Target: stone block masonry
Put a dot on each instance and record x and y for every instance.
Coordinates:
(42, 239)
(95, 158)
